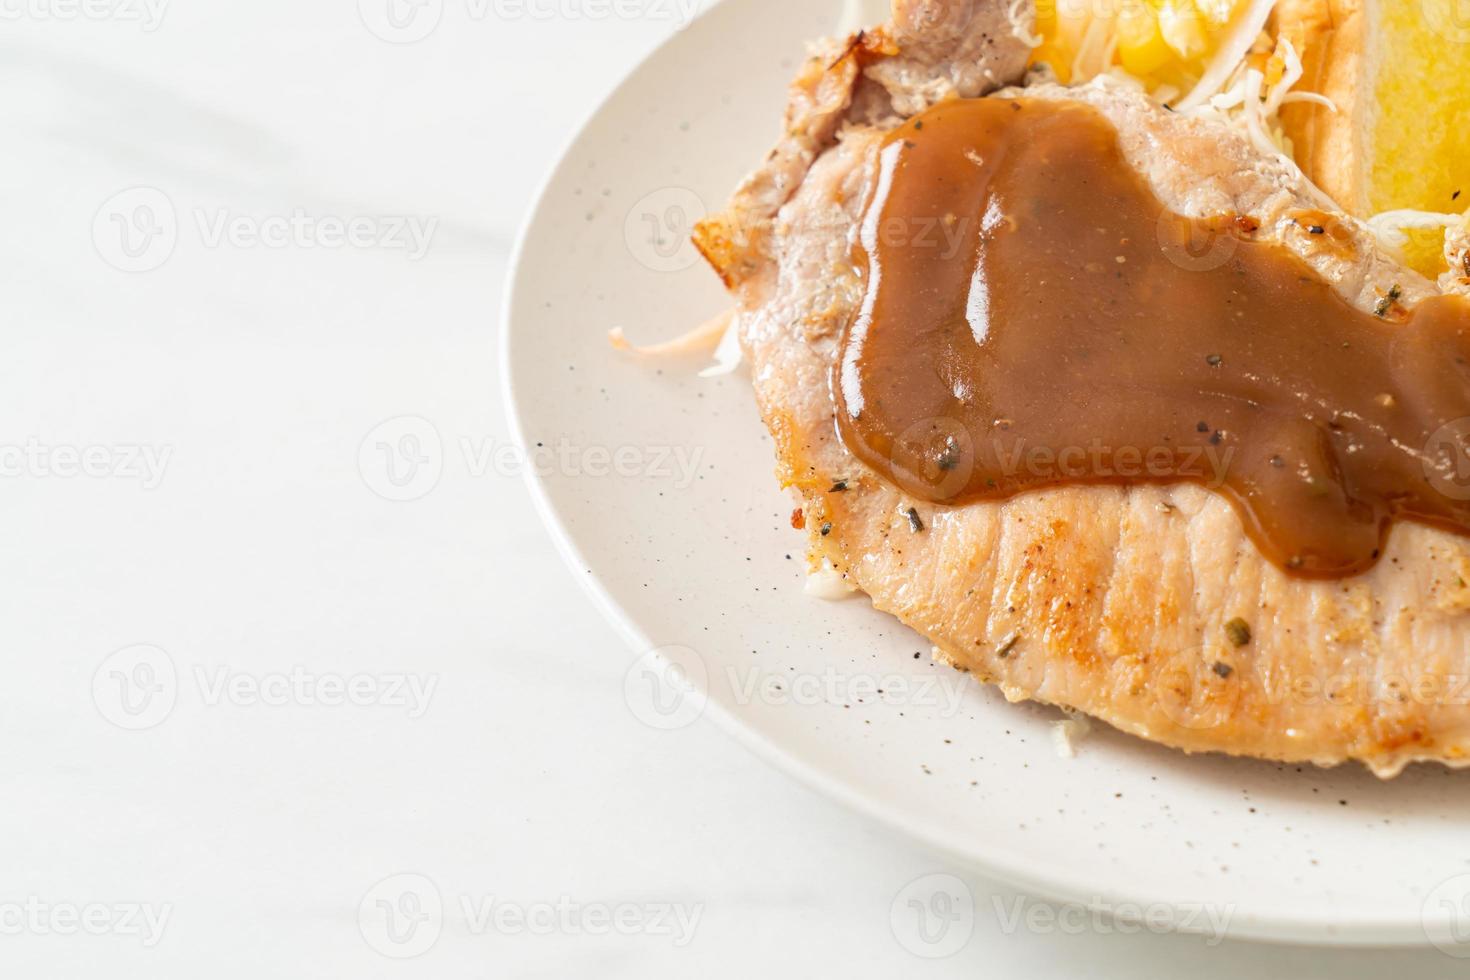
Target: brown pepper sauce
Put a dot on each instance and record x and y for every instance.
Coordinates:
(1034, 317)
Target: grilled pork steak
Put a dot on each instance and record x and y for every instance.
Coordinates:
(1144, 606)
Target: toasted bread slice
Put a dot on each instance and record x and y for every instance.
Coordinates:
(1399, 75)
(1331, 147)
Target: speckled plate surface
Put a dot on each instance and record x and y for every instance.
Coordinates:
(657, 485)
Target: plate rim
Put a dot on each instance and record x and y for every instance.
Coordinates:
(1319, 930)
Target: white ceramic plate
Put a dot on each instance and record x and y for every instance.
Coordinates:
(707, 570)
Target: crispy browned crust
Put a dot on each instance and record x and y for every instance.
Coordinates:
(734, 241)
(1332, 148)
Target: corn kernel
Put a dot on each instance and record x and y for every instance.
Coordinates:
(1141, 47)
(1183, 28)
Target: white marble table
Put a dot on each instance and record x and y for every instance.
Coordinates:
(258, 716)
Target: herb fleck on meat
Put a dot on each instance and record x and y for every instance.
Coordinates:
(1386, 303)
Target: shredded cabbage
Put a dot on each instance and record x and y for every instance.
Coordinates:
(1314, 97)
(1254, 111)
(1240, 36)
(1096, 35)
(713, 333)
(1291, 74)
(1247, 104)
(728, 353)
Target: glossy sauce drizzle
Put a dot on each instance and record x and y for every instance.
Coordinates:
(1034, 317)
